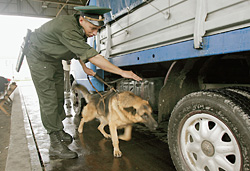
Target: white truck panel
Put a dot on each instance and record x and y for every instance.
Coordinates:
(163, 22)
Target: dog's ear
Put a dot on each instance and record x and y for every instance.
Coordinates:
(130, 110)
(143, 108)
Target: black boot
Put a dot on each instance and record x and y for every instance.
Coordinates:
(65, 137)
(58, 148)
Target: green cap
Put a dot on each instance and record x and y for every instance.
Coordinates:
(93, 14)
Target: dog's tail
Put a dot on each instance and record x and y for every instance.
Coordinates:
(86, 94)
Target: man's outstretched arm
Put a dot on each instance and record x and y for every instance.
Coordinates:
(104, 64)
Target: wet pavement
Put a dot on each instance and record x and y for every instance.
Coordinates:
(4, 134)
(145, 151)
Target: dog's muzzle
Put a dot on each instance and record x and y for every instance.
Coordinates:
(151, 123)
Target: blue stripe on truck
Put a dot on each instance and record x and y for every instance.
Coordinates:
(223, 43)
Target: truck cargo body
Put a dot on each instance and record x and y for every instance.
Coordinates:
(194, 56)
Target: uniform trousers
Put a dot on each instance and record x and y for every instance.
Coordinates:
(48, 77)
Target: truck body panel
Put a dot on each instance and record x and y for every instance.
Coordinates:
(186, 51)
(160, 23)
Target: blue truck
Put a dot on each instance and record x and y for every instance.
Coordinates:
(194, 56)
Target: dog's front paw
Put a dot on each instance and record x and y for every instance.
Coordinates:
(117, 153)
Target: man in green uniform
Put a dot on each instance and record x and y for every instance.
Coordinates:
(64, 38)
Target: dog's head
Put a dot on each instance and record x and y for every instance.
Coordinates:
(138, 110)
(143, 114)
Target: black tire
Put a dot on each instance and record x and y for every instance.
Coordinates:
(77, 100)
(205, 122)
(244, 91)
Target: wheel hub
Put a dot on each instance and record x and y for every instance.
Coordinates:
(207, 148)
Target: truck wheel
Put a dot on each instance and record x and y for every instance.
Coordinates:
(244, 91)
(77, 100)
(209, 130)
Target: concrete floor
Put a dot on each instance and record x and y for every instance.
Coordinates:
(144, 152)
(5, 136)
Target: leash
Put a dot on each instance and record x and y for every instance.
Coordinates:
(100, 79)
(102, 96)
(109, 86)
(94, 87)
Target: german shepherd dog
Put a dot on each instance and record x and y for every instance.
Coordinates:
(117, 110)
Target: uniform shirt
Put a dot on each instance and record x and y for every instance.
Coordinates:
(63, 38)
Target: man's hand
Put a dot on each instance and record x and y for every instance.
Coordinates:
(130, 74)
(87, 70)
